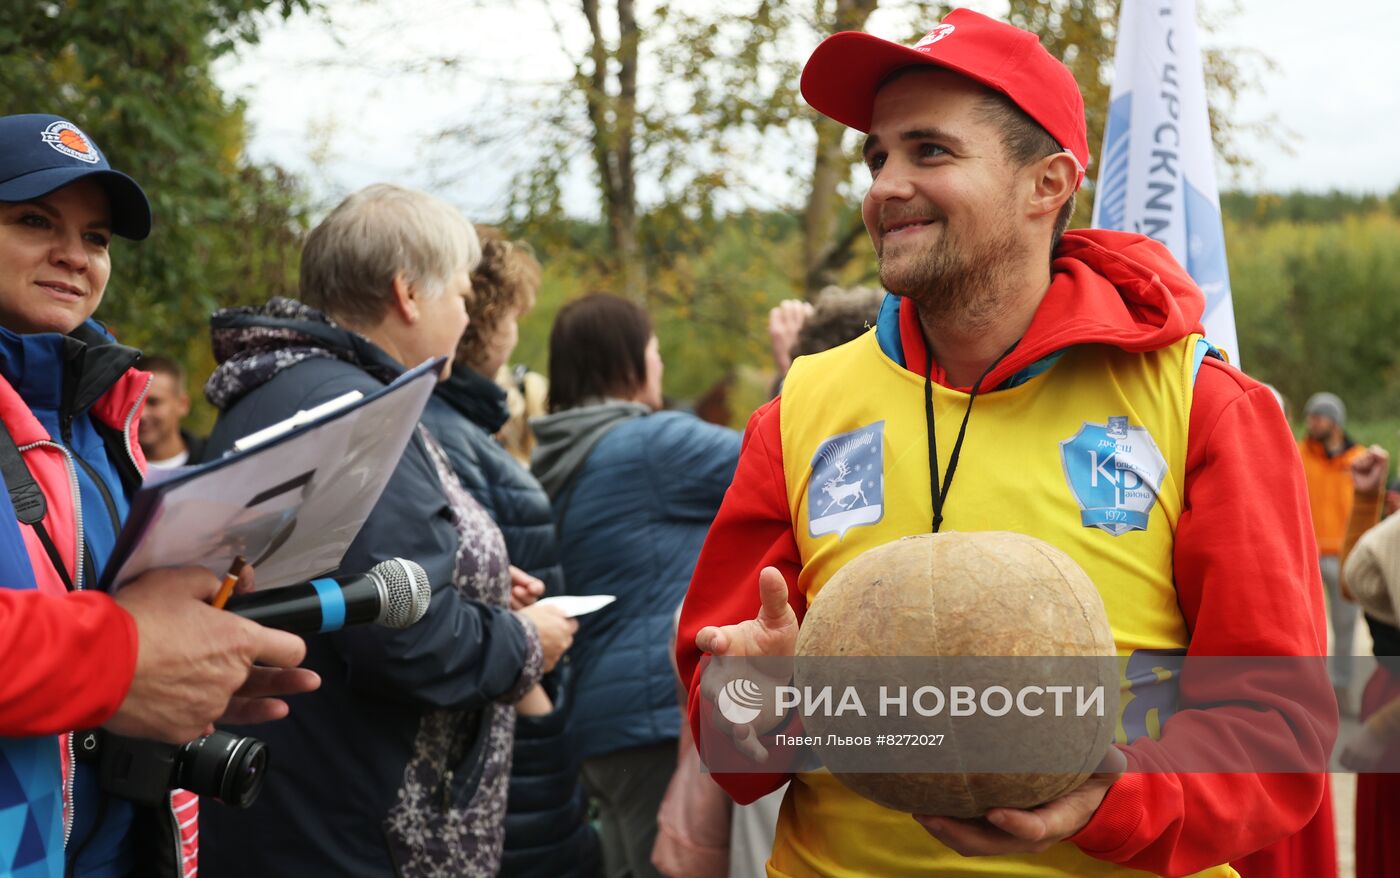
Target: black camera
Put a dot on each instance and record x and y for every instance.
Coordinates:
(220, 766)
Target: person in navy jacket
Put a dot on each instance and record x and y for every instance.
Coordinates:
(547, 828)
(634, 491)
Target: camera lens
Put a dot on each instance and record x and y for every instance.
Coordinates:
(223, 766)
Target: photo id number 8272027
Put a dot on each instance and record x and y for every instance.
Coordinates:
(910, 740)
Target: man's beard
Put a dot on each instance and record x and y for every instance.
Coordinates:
(954, 282)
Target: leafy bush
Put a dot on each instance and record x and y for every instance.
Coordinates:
(1318, 308)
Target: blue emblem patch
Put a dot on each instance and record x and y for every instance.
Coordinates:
(847, 488)
(1114, 471)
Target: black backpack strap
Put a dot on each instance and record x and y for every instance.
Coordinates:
(30, 505)
(28, 498)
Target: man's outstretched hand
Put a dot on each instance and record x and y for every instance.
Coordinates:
(784, 325)
(771, 634)
(1369, 470)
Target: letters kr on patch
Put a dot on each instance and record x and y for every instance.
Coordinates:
(1114, 471)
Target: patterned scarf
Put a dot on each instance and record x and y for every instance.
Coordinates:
(253, 344)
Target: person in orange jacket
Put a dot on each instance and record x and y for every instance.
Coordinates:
(1328, 453)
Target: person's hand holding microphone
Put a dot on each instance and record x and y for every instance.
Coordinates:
(196, 664)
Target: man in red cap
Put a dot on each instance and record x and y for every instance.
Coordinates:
(1105, 425)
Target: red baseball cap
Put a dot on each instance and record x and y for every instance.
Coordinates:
(847, 69)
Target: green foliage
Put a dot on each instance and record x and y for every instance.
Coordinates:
(717, 83)
(710, 315)
(1303, 207)
(135, 74)
(1315, 277)
(1318, 307)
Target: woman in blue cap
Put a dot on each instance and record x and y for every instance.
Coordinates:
(70, 398)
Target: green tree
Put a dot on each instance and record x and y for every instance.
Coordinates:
(1318, 306)
(1300, 207)
(745, 87)
(670, 103)
(136, 75)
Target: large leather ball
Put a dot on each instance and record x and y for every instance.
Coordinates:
(958, 596)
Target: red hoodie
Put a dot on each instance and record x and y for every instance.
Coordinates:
(1245, 562)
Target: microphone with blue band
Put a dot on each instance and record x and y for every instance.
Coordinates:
(394, 593)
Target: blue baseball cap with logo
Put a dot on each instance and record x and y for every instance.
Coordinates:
(40, 154)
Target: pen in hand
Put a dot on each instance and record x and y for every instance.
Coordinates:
(230, 580)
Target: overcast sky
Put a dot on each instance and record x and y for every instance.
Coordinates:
(333, 103)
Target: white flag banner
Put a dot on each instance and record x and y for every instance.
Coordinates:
(1158, 172)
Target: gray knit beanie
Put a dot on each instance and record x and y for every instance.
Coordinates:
(1328, 405)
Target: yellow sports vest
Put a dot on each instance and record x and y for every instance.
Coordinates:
(1089, 456)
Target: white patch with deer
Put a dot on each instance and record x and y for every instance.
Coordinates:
(847, 488)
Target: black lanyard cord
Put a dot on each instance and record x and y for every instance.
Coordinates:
(940, 494)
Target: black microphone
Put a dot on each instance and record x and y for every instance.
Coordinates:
(394, 593)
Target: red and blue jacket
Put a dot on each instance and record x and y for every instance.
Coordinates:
(1244, 563)
(71, 404)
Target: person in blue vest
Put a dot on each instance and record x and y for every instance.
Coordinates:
(152, 661)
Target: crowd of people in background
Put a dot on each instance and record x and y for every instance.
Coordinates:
(525, 748)
(499, 734)
(614, 496)
(536, 745)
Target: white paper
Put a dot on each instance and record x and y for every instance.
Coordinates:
(290, 507)
(579, 604)
(267, 434)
